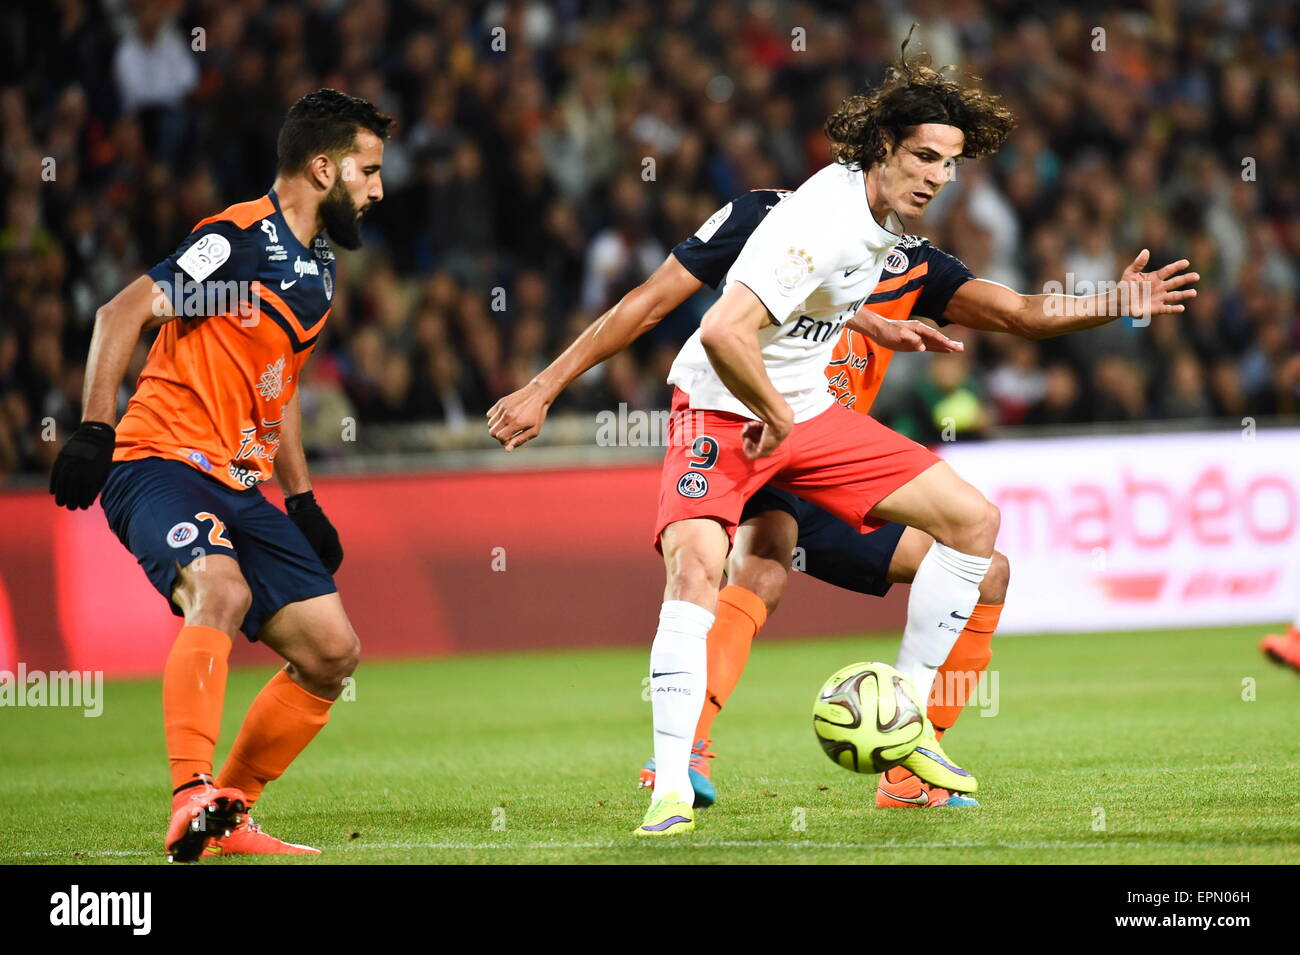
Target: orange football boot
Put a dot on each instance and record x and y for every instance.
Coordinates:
(1283, 648)
(248, 839)
(900, 788)
(199, 812)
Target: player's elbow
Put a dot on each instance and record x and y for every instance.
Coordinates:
(717, 334)
(647, 305)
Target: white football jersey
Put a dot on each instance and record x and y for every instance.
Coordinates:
(812, 261)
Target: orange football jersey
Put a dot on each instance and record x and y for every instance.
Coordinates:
(251, 301)
(858, 365)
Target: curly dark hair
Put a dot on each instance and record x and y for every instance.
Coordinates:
(325, 121)
(913, 93)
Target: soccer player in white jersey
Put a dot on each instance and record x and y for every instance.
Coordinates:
(751, 407)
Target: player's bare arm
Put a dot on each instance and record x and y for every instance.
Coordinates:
(728, 333)
(989, 306)
(82, 465)
(118, 326)
(518, 417)
(291, 460)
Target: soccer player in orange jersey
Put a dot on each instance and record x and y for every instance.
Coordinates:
(241, 304)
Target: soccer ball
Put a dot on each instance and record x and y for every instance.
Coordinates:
(868, 717)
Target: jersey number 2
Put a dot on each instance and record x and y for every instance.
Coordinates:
(216, 536)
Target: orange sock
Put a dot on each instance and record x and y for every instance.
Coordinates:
(283, 719)
(741, 614)
(194, 688)
(957, 678)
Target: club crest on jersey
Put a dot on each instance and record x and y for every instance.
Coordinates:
(182, 534)
(692, 484)
(896, 262)
(329, 285)
(793, 269)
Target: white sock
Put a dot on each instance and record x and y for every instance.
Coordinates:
(944, 592)
(678, 683)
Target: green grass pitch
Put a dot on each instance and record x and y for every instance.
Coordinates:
(1115, 748)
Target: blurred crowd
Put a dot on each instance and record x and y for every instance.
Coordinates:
(547, 156)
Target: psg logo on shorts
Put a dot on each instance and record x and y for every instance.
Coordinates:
(693, 484)
(896, 262)
(182, 534)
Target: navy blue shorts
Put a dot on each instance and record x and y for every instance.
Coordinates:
(168, 514)
(833, 551)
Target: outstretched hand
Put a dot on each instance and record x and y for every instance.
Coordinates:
(1160, 292)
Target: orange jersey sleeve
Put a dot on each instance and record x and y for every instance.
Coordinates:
(251, 301)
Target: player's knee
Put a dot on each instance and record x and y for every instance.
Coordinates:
(993, 589)
(332, 660)
(767, 580)
(690, 577)
(972, 525)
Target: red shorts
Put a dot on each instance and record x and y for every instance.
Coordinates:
(842, 461)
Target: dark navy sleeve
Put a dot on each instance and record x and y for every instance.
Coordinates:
(945, 275)
(200, 276)
(710, 252)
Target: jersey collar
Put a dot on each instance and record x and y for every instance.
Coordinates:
(878, 234)
(275, 201)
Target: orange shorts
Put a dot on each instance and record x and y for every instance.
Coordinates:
(842, 461)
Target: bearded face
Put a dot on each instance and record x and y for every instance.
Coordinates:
(339, 213)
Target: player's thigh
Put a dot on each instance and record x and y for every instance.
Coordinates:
(315, 635)
(175, 522)
(212, 590)
(939, 502)
(694, 553)
(279, 564)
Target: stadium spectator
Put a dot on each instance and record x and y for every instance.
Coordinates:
(547, 155)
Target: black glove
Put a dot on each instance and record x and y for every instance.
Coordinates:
(316, 527)
(82, 466)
